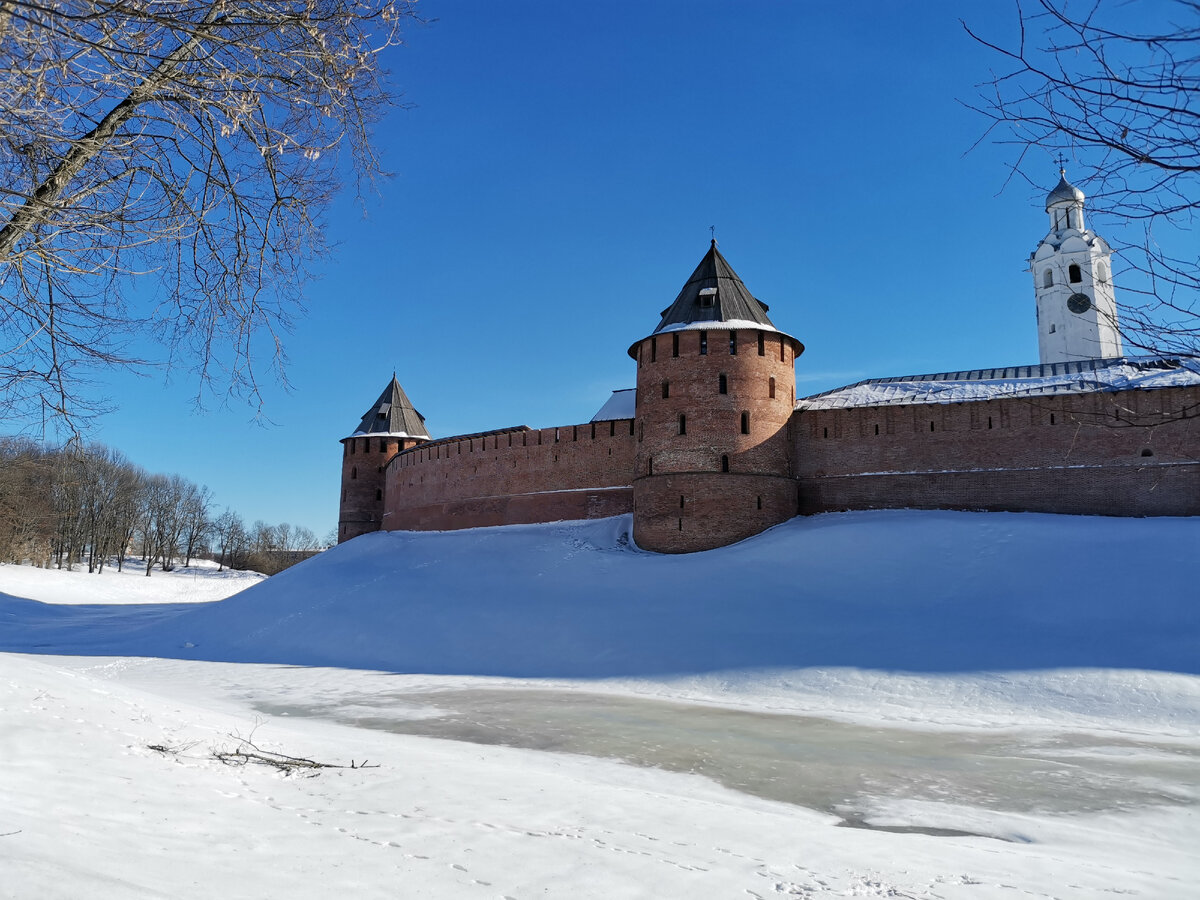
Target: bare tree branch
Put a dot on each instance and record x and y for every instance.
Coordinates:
(164, 167)
(1123, 103)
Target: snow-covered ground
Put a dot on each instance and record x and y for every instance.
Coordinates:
(1000, 705)
(198, 583)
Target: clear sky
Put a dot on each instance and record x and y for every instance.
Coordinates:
(554, 183)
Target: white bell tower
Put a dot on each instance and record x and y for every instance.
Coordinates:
(1072, 280)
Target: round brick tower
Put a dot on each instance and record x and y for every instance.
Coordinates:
(716, 386)
(389, 426)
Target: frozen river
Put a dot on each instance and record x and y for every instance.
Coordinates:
(825, 765)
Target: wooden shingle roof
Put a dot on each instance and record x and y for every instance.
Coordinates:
(714, 293)
(392, 414)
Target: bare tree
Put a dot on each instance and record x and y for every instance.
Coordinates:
(1122, 102)
(164, 165)
(231, 532)
(197, 525)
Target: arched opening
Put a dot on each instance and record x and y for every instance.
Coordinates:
(1075, 274)
(771, 389)
(724, 463)
(379, 494)
(1048, 278)
(1102, 272)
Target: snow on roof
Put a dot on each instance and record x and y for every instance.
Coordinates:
(386, 434)
(1084, 376)
(619, 406)
(731, 324)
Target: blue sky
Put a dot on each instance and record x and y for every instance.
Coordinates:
(554, 183)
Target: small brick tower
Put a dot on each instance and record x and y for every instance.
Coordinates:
(389, 426)
(716, 386)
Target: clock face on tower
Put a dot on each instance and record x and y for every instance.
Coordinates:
(1079, 303)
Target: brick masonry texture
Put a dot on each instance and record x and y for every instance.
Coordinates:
(1123, 453)
(363, 462)
(572, 472)
(713, 465)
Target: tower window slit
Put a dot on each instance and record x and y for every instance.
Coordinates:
(745, 422)
(704, 343)
(666, 389)
(682, 423)
(653, 349)
(771, 389)
(762, 344)
(877, 429)
(733, 343)
(722, 384)
(724, 463)
(675, 344)
(760, 501)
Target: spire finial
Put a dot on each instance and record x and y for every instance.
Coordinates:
(712, 230)
(1062, 165)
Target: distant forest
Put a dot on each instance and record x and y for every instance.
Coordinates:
(89, 504)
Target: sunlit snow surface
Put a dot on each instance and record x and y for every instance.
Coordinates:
(999, 705)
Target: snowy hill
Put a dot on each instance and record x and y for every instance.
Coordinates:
(919, 592)
(1009, 704)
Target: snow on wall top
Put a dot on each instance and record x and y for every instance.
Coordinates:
(1083, 376)
(619, 406)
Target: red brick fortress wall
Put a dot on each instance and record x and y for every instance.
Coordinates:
(706, 476)
(363, 462)
(1123, 453)
(513, 477)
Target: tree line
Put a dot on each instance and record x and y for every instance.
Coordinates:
(88, 504)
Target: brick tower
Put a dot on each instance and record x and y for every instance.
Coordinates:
(716, 385)
(389, 426)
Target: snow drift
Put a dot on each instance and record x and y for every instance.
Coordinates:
(921, 592)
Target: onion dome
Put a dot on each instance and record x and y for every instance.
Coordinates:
(1064, 192)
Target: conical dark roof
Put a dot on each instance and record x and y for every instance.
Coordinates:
(392, 414)
(698, 302)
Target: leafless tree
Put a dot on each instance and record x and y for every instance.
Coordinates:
(1116, 88)
(231, 532)
(197, 526)
(164, 165)
(26, 513)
